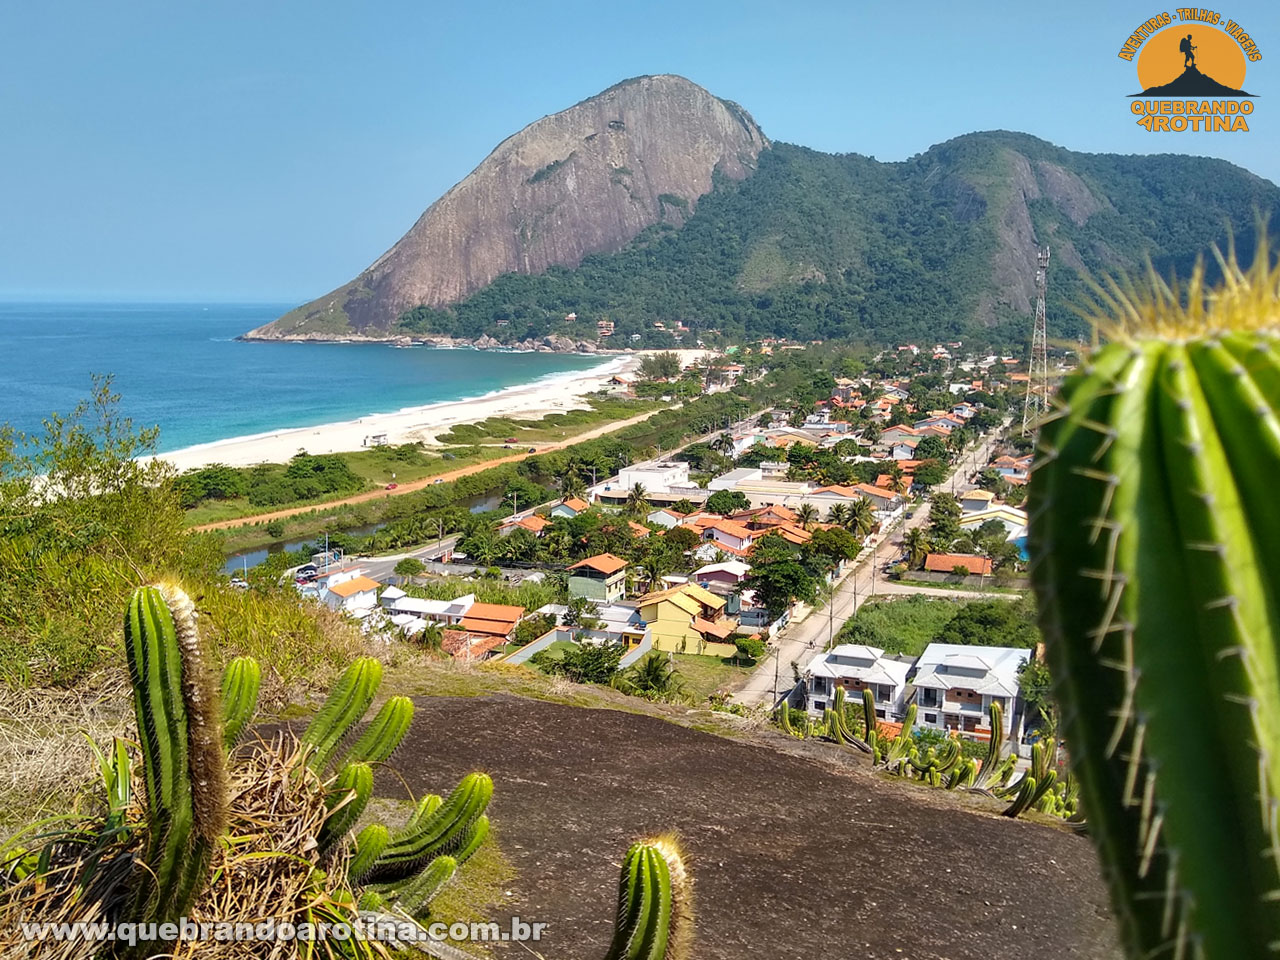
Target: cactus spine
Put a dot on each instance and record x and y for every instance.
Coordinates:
(1153, 533)
(241, 682)
(186, 782)
(654, 919)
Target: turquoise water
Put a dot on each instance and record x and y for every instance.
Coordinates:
(179, 366)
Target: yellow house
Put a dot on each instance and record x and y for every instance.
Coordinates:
(686, 619)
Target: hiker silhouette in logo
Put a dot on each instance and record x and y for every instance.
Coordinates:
(1188, 51)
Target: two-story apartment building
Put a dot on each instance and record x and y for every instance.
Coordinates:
(856, 667)
(602, 578)
(955, 686)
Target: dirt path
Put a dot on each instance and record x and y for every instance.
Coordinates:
(425, 481)
(795, 855)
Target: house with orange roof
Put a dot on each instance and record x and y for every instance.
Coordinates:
(665, 517)
(570, 508)
(359, 593)
(491, 619)
(533, 523)
(639, 530)
(948, 562)
(687, 619)
(602, 578)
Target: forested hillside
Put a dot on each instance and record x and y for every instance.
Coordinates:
(815, 245)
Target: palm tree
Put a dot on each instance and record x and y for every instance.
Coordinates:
(838, 514)
(432, 635)
(896, 482)
(573, 486)
(654, 677)
(636, 499)
(807, 514)
(723, 444)
(860, 518)
(917, 546)
(654, 567)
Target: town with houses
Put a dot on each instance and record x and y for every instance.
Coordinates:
(737, 527)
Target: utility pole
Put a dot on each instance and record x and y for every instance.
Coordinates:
(777, 655)
(1036, 404)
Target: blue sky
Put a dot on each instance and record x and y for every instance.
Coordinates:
(270, 151)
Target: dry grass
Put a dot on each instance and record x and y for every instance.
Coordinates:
(46, 762)
(268, 868)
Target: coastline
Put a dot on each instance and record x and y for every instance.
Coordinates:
(555, 393)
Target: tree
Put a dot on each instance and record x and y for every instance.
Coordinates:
(832, 546)
(684, 507)
(931, 448)
(531, 628)
(931, 473)
(807, 514)
(588, 663)
(861, 517)
(655, 678)
(751, 648)
(777, 576)
(1035, 685)
(573, 486)
(408, 567)
(636, 499)
(944, 520)
(655, 566)
(660, 366)
(838, 514)
(897, 479)
(275, 529)
(680, 540)
(581, 613)
(992, 623)
(432, 635)
(916, 544)
(726, 502)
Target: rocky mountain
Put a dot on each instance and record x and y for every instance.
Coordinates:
(584, 180)
(687, 214)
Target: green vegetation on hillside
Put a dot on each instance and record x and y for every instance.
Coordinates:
(909, 624)
(816, 245)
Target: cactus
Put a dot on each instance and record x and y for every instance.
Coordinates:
(869, 721)
(654, 919)
(416, 895)
(446, 830)
(995, 746)
(384, 734)
(346, 800)
(1153, 536)
(1026, 790)
(176, 706)
(838, 726)
(901, 744)
(783, 715)
(476, 837)
(345, 705)
(964, 774)
(370, 842)
(241, 681)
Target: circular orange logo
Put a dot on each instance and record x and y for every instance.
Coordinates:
(1178, 50)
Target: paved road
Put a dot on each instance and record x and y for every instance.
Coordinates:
(801, 641)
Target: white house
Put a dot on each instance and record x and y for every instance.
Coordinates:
(664, 518)
(351, 595)
(1014, 520)
(955, 685)
(976, 501)
(441, 611)
(390, 596)
(856, 667)
(655, 476)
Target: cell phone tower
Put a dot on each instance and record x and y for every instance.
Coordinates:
(1036, 404)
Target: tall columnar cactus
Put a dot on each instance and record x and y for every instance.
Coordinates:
(241, 682)
(995, 746)
(342, 710)
(381, 738)
(176, 705)
(901, 746)
(347, 798)
(1154, 558)
(655, 910)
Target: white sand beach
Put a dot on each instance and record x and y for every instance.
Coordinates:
(556, 394)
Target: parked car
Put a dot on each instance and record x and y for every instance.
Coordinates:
(239, 583)
(392, 486)
(511, 440)
(533, 449)
(438, 480)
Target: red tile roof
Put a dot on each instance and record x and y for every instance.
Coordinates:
(576, 505)
(946, 562)
(491, 619)
(356, 585)
(605, 563)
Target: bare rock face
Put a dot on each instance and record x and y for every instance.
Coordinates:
(585, 180)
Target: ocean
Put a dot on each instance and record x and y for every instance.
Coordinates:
(179, 367)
